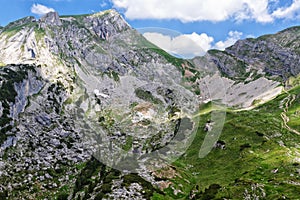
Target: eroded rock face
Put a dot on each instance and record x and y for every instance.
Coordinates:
(51, 18)
(42, 138)
(276, 55)
(106, 24)
(32, 85)
(18, 84)
(277, 60)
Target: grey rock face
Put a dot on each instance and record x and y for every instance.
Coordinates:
(106, 24)
(17, 85)
(227, 64)
(32, 85)
(275, 58)
(276, 55)
(51, 18)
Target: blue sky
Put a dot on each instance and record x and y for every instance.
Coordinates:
(204, 23)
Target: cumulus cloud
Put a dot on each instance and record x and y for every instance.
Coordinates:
(233, 36)
(40, 9)
(191, 45)
(254, 9)
(293, 11)
(103, 4)
(195, 10)
(185, 45)
(261, 11)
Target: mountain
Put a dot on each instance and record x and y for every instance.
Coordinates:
(266, 61)
(92, 110)
(278, 54)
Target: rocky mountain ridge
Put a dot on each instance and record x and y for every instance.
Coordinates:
(275, 55)
(251, 62)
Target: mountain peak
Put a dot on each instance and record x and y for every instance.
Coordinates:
(110, 12)
(19, 22)
(51, 18)
(107, 23)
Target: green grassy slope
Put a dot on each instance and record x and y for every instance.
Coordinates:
(261, 157)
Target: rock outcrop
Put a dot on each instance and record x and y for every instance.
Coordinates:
(50, 19)
(106, 24)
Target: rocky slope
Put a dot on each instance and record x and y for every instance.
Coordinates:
(91, 110)
(103, 91)
(273, 57)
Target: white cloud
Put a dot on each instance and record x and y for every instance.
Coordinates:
(191, 45)
(103, 4)
(195, 10)
(233, 36)
(293, 11)
(255, 9)
(40, 9)
(262, 11)
(186, 45)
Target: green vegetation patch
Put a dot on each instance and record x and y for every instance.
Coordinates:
(39, 33)
(258, 157)
(147, 96)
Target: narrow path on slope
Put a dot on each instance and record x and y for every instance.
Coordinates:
(285, 118)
